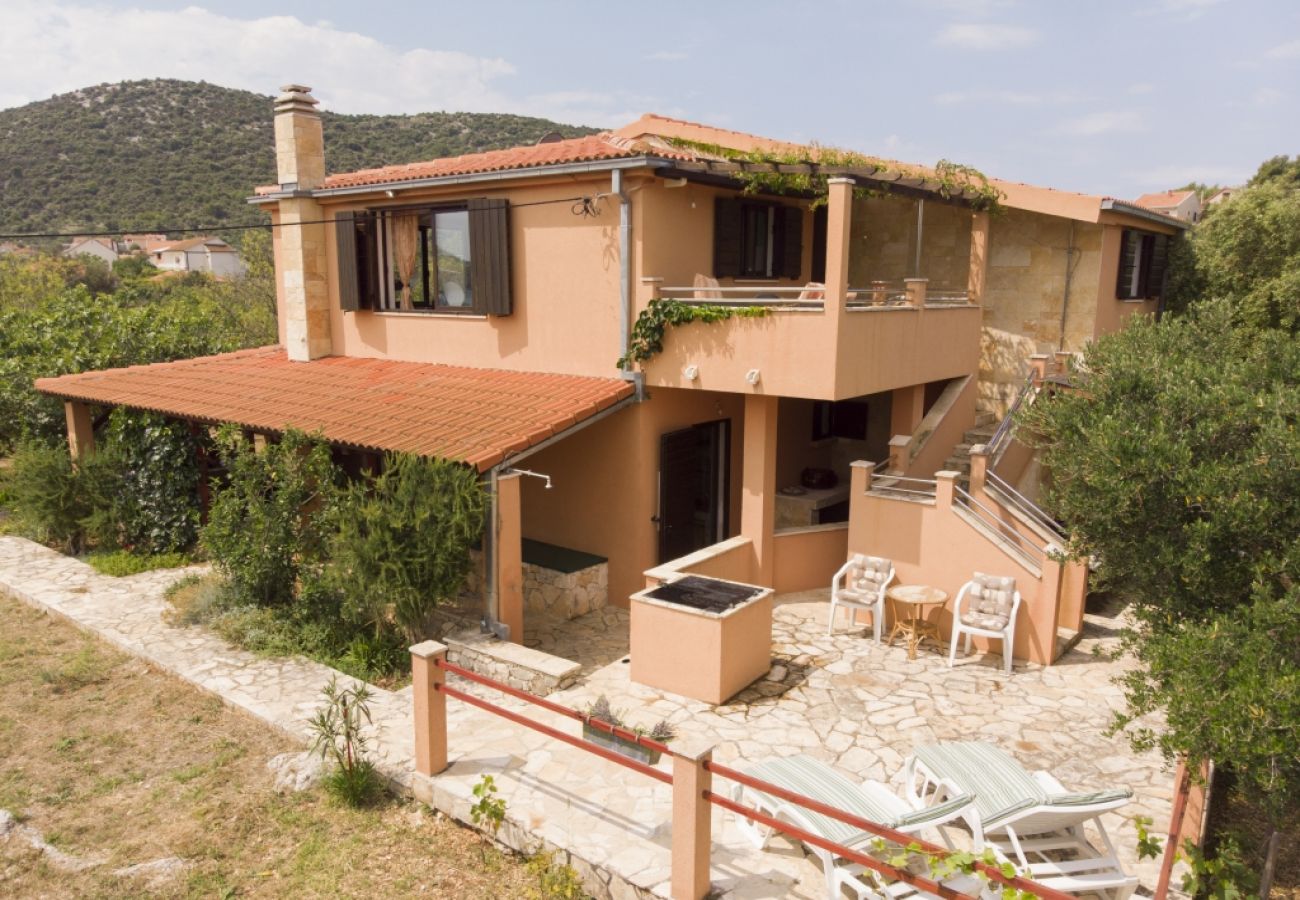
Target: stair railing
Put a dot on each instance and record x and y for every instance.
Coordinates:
(997, 444)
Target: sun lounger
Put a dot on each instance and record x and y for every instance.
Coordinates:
(1028, 818)
(871, 800)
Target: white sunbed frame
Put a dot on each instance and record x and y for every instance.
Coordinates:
(840, 873)
(1033, 839)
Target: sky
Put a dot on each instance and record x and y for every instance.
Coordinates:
(1115, 97)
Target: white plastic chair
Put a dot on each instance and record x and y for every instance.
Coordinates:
(986, 606)
(861, 584)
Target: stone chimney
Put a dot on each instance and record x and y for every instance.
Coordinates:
(299, 144)
(304, 305)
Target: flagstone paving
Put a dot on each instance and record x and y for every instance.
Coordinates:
(840, 698)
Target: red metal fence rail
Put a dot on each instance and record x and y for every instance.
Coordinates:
(707, 795)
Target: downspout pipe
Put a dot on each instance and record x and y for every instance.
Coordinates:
(1069, 275)
(492, 614)
(625, 278)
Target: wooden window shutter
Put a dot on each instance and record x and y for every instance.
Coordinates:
(1128, 257)
(1157, 267)
(489, 244)
(345, 235)
(790, 223)
(728, 231)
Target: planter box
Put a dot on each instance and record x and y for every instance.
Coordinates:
(620, 745)
(699, 652)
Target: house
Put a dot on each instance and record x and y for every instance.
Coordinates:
(1184, 205)
(200, 254)
(474, 307)
(144, 243)
(1222, 195)
(98, 247)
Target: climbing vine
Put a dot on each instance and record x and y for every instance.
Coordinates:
(648, 331)
(948, 179)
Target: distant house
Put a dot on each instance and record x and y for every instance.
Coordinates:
(98, 247)
(200, 254)
(147, 243)
(1221, 195)
(1184, 205)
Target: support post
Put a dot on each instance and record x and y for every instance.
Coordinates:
(430, 707)
(979, 468)
(1048, 616)
(906, 409)
(692, 837)
(81, 430)
(758, 500)
(979, 256)
(839, 221)
(1038, 364)
(509, 557)
(898, 445)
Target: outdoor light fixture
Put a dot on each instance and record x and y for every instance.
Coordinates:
(674, 182)
(690, 373)
(390, 193)
(753, 376)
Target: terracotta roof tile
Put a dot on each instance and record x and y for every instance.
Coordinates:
(477, 416)
(1163, 199)
(591, 148)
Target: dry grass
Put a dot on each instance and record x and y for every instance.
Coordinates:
(107, 757)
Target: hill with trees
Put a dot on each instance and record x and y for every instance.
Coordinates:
(141, 154)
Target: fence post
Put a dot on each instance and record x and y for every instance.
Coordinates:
(430, 707)
(944, 487)
(916, 288)
(1038, 363)
(898, 445)
(692, 838)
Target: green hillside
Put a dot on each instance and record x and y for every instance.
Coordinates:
(140, 154)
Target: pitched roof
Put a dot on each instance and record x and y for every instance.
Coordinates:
(476, 416)
(592, 147)
(1163, 199)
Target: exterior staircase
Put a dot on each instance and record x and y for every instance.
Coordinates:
(985, 425)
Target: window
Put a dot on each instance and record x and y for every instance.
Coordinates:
(449, 259)
(1143, 259)
(755, 239)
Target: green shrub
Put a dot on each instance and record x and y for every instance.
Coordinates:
(261, 528)
(123, 562)
(399, 542)
(358, 787)
(156, 508)
(58, 503)
(337, 727)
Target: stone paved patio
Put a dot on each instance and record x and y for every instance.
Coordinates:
(840, 698)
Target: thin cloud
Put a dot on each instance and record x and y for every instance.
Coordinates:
(978, 36)
(666, 56)
(1007, 98)
(54, 46)
(1289, 50)
(1184, 9)
(1098, 123)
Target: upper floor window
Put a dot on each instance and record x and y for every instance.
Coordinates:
(757, 239)
(1143, 260)
(451, 259)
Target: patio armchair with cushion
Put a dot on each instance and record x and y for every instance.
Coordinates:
(1029, 819)
(861, 584)
(986, 606)
(870, 800)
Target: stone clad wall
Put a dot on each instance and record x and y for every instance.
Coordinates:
(565, 595)
(1023, 296)
(883, 243)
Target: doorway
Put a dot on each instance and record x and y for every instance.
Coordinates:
(694, 486)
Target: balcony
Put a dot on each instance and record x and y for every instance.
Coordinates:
(810, 344)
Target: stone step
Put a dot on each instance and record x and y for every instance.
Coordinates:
(957, 464)
(986, 418)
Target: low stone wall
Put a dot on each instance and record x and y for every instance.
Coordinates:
(518, 666)
(565, 595)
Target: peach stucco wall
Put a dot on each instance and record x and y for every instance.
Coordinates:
(808, 558)
(564, 279)
(930, 544)
(605, 482)
(1113, 312)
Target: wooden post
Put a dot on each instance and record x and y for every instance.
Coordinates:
(692, 837)
(81, 430)
(430, 707)
(1182, 786)
(509, 556)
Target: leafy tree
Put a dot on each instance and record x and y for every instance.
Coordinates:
(1280, 169)
(399, 542)
(261, 529)
(1176, 463)
(1246, 251)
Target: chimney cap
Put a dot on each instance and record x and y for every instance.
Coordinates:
(295, 89)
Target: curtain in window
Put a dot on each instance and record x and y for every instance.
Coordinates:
(406, 248)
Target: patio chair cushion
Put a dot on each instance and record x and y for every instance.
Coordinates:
(866, 576)
(988, 602)
(1089, 798)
